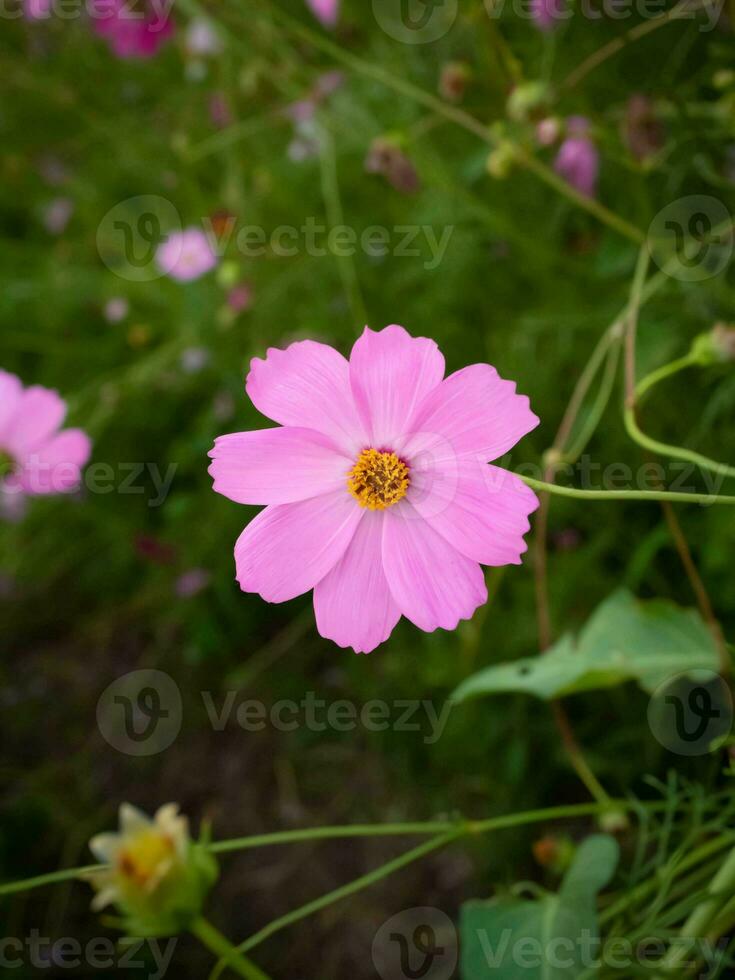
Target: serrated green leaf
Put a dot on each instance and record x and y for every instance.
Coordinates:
(625, 639)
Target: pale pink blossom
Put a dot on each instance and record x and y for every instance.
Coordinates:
(116, 309)
(377, 490)
(578, 160)
(191, 583)
(186, 255)
(37, 456)
(57, 215)
(131, 30)
(326, 11)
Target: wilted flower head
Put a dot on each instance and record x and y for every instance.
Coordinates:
(131, 31)
(327, 11)
(186, 255)
(157, 877)
(377, 490)
(386, 158)
(453, 80)
(643, 130)
(37, 457)
(578, 160)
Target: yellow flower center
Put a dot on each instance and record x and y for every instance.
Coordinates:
(378, 479)
(146, 857)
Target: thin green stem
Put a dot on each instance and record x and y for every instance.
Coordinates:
(332, 833)
(699, 923)
(649, 495)
(335, 217)
(660, 374)
(53, 878)
(598, 407)
(675, 452)
(229, 956)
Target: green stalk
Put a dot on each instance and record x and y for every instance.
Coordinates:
(650, 495)
(229, 956)
(675, 452)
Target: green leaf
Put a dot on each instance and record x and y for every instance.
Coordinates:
(554, 938)
(648, 642)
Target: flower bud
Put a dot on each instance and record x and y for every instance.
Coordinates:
(156, 877)
(526, 100)
(555, 852)
(500, 161)
(715, 346)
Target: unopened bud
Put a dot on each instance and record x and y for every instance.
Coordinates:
(526, 101)
(716, 346)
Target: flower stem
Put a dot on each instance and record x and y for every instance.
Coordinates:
(230, 957)
(650, 495)
(660, 374)
(675, 452)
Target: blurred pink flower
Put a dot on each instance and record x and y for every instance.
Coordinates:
(327, 11)
(546, 14)
(191, 583)
(37, 457)
(116, 309)
(240, 298)
(376, 486)
(57, 214)
(219, 111)
(202, 39)
(137, 31)
(37, 9)
(578, 160)
(186, 255)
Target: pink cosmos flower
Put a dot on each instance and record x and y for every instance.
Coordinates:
(578, 160)
(37, 457)
(131, 31)
(186, 255)
(377, 490)
(326, 11)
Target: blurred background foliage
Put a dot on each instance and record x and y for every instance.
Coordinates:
(90, 586)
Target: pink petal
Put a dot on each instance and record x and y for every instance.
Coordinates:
(432, 583)
(326, 11)
(277, 466)
(10, 391)
(38, 414)
(288, 548)
(353, 604)
(472, 412)
(308, 385)
(481, 510)
(391, 372)
(55, 466)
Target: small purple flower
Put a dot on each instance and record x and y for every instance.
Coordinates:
(326, 11)
(578, 160)
(186, 255)
(547, 13)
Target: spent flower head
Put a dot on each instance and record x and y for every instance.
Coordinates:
(156, 876)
